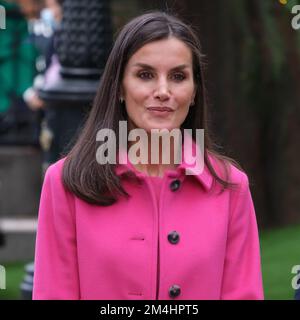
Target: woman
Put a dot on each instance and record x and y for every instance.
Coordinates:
(140, 230)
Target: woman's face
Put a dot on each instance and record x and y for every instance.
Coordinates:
(158, 85)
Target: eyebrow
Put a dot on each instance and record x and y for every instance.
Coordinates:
(147, 66)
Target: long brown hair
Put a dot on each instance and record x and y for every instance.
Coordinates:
(99, 184)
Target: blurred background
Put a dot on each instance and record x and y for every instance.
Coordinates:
(52, 54)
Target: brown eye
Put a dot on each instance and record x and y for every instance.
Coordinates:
(178, 77)
(145, 75)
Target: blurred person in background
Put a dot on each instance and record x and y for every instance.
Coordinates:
(43, 32)
(49, 23)
(18, 55)
(17, 69)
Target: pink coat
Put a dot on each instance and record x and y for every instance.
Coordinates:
(192, 244)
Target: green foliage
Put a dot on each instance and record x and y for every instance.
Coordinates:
(273, 38)
(262, 62)
(280, 252)
(14, 276)
(290, 4)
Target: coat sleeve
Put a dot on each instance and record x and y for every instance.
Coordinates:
(56, 268)
(242, 276)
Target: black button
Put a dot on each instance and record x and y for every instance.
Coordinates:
(173, 237)
(175, 185)
(174, 291)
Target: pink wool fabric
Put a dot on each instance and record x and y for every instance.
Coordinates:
(122, 251)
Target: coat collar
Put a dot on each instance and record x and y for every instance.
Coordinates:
(184, 169)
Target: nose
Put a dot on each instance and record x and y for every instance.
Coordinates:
(162, 91)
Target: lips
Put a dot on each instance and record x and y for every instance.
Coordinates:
(160, 109)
